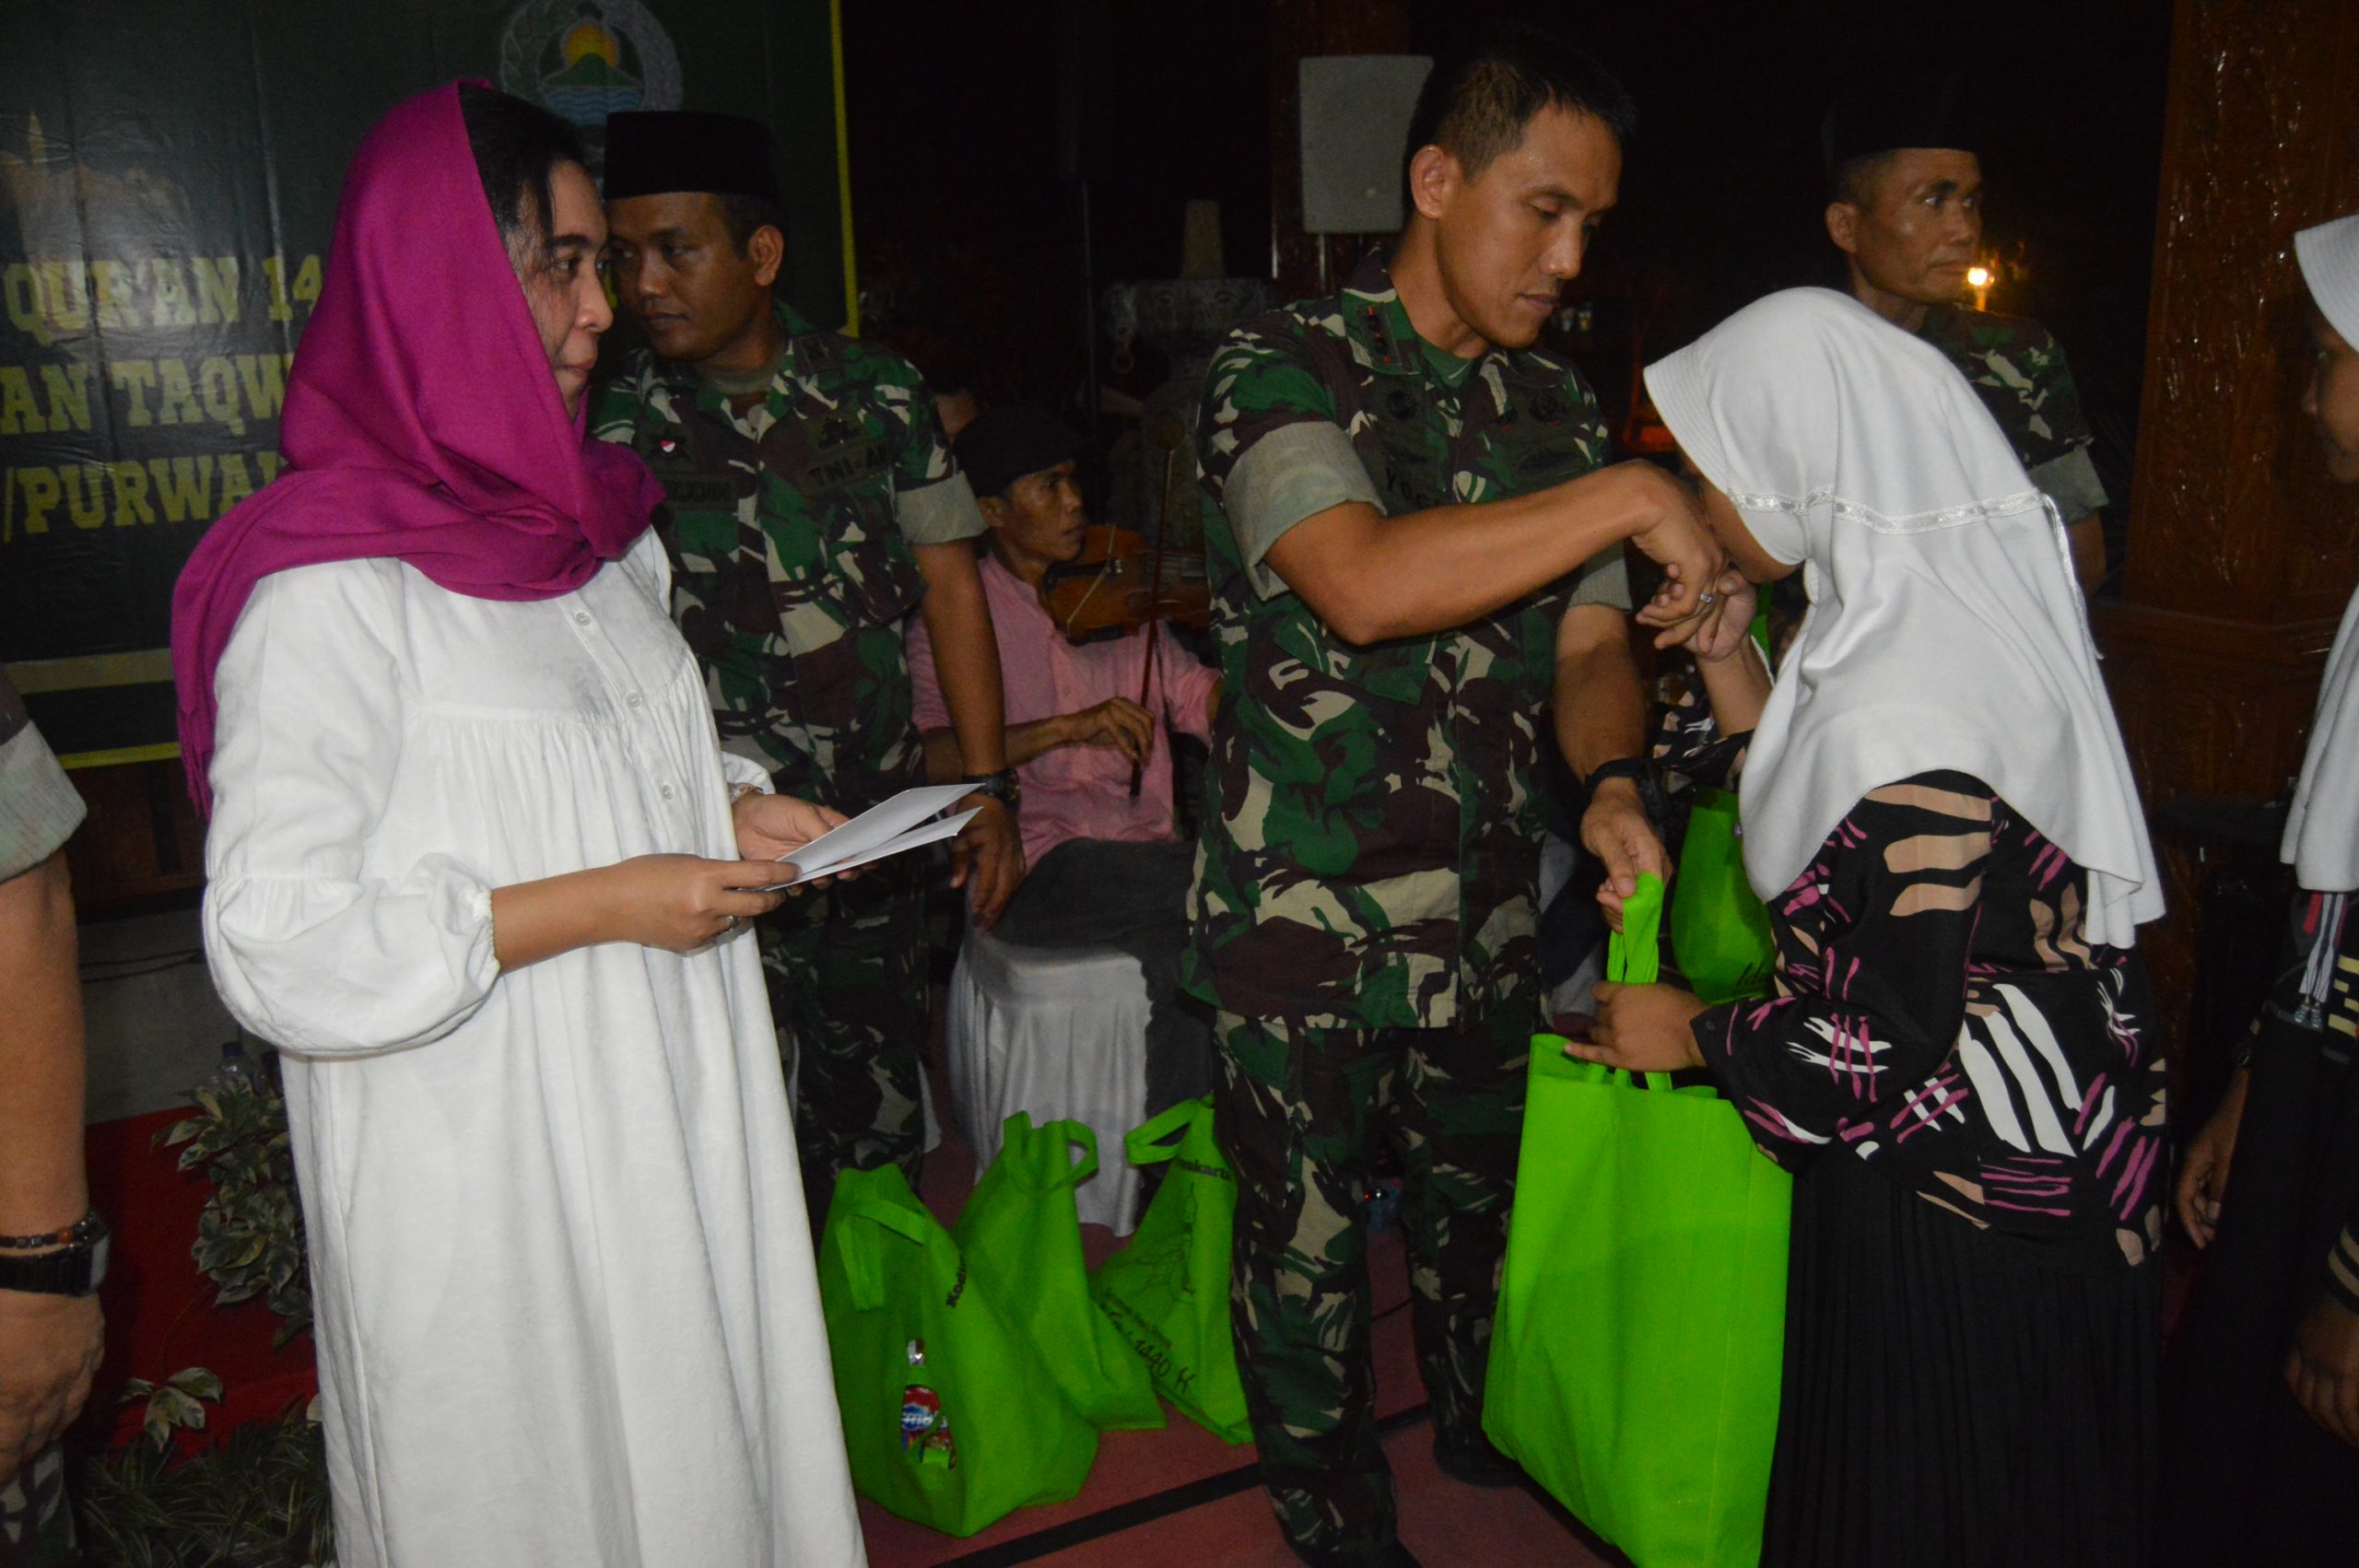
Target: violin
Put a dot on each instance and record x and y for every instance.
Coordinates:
(1124, 581)
(1121, 583)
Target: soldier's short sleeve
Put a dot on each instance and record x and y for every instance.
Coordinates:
(941, 513)
(2056, 396)
(2060, 437)
(1604, 579)
(2072, 482)
(1272, 450)
(39, 807)
(932, 500)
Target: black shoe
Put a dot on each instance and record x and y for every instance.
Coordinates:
(1473, 1461)
(1391, 1555)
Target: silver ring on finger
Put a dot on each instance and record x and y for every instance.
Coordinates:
(1706, 601)
(733, 923)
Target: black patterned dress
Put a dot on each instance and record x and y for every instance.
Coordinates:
(1971, 1097)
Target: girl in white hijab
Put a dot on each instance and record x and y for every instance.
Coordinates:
(1958, 1063)
(2265, 1389)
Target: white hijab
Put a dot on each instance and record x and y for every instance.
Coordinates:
(2323, 845)
(1945, 629)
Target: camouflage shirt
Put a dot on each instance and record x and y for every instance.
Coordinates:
(789, 527)
(1370, 856)
(2020, 375)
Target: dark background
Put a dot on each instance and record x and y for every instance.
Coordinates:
(221, 127)
(969, 235)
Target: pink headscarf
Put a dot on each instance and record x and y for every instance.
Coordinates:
(422, 420)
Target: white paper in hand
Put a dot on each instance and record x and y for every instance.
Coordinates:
(905, 822)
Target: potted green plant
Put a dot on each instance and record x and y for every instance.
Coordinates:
(256, 1497)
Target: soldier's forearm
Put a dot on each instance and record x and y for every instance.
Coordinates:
(958, 621)
(41, 1054)
(1370, 576)
(1600, 712)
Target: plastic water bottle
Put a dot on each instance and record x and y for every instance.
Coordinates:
(237, 1071)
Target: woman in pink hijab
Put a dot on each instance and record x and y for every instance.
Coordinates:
(478, 867)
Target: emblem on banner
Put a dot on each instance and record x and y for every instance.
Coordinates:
(587, 59)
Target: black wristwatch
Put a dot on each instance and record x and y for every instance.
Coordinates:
(76, 1268)
(1002, 786)
(1638, 771)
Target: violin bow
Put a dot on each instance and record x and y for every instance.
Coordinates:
(1073, 616)
(1154, 621)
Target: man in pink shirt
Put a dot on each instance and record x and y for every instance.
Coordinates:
(1105, 866)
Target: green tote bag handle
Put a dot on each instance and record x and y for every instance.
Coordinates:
(1145, 1143)
(1633, 953)
(1574, 1069)
(1040, 1158)
(862, 1268)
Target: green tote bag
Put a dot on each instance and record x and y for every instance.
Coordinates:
(1719, 931)
(949, 1418)
(1168, 1291)
(1021, 1238)
(1641, 1332)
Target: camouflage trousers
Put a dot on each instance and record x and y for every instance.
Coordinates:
(1301, 1113)
(846, 968)
(36, 1522)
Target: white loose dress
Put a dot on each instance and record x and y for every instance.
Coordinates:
(566, 1311)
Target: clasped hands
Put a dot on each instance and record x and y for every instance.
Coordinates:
(1700, 583)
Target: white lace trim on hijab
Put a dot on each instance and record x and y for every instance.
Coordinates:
(1921, 522)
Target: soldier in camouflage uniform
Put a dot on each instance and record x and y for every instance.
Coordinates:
(1905, 210)
(49, 1331)
(811, 507)
(1414, 550)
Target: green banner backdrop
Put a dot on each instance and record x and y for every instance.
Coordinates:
(168, 171)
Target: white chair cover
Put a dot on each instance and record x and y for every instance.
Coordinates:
(1059, 1033)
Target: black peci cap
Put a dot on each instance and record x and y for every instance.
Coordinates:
(1003, 445)
(653, 152)
(1900, 109)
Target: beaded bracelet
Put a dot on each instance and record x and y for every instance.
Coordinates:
(65, 1237)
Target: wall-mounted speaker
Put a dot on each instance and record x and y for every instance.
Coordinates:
(1355, 112)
